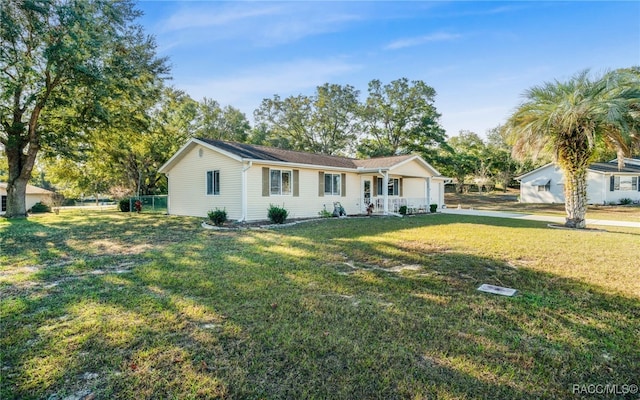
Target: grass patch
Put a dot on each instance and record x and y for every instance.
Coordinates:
(144, 306)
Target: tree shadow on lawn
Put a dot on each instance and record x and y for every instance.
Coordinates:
(76, 242)
(290, 315)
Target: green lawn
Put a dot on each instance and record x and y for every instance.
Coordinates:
(111, 305)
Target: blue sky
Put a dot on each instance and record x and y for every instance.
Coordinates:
(479, 56)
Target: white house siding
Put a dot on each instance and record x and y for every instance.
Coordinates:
(308, 203)
(608, 196)
(414, 188)
(411, 168)
(437, 193)
(530, 194)
(186, 172)
(415, 184)
(597, 188)
(187, 184)
(32, 199)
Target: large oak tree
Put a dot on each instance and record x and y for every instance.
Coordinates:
(325, 122)
(59, 62)
(400, 118)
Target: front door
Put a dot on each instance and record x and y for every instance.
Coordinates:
(366, 194)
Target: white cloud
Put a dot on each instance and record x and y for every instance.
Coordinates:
(419, 40)
(259, 23)
(207, 16)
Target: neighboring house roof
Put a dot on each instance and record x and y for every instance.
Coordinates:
(613, 167)
(30, 189)
(250, 152)
(608, 167)
(519, 178)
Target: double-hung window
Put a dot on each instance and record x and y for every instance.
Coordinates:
(280, 182)
(623, 183)
(332, 184)
(545, 188)
(393, 187)
(213, 183)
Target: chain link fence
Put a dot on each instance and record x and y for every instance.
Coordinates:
(149, 204)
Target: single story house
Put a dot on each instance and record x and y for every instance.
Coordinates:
(246, 179)
(606, 184)
(33, 195)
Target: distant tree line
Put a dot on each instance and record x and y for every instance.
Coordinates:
(124, 154)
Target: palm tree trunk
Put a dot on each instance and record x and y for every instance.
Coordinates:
(575, 194)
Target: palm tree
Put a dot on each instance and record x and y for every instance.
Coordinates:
(569, 120)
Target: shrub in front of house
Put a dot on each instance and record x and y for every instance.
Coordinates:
(625, 201)
(277, 215)
(218, 217)
(403, 210)
(324, 213)
(125, 205)
(40, 207)
(433, 207)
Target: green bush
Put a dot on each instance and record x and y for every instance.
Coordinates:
(403, 210)
(124, 205)
(324, 213)
(625, 201)
(40, 207)
(276, 214)
(218, 217)
(433, 207)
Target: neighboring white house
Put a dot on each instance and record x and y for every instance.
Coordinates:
(33, 195)
(606, 184)
(246, 179)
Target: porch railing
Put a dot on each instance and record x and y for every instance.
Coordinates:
(414, 204)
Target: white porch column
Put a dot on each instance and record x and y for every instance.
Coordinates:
(243, 195)
(385, 191)
(427, 193)
(168, 196)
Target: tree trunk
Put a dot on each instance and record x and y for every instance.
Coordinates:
(20, 167)
(575, 193)
(16, 198)
(21, 164)
(621, 154)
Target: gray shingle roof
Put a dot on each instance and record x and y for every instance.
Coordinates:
(613, 167)
(263, 153)
(382, 162)
(255, 152)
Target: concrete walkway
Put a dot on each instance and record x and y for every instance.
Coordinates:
(532, 217)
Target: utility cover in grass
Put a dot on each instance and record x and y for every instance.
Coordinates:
(503, 291)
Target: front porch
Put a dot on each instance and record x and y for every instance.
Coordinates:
(414, 205)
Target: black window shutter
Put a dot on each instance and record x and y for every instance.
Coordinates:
(612, 183)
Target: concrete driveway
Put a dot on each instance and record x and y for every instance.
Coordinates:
(532, 217)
